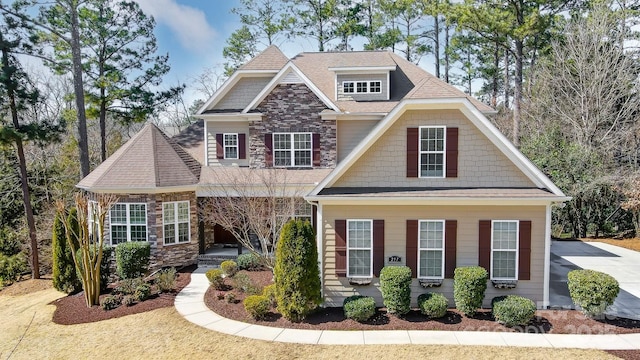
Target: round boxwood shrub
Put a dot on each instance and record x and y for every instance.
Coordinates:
(132, 259)
(469, 285)
(143, 291)
(215, 278)
(249, 262)
(110, 302)
(359, 308)
(269, 292)
(229, 267)
(257, 306)
(395, 285)
(296, 271)
(592, 290)
(433, 305)
(513, 310)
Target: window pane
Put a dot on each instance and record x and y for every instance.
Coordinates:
(183, 211)
(359, 262)
(374, 86)
(359, 234)
(432, 165)
(361, 86)
(505, 235)
(183, 232)
(282, 158)
(138, 233)
(231, 152)
(168, 213)
(169, 234)
(281, 141)
(302, 141)
(118, 234)
(303, 158)
(118, 214)
(230, 139)
(430, 263)
(347, 87)
(504, 264)
(137, 213)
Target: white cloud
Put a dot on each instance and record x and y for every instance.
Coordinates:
(188, 23)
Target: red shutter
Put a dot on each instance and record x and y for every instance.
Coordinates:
(378, 246)
(452, 152)
(412, 152)
(268, 150)
(412, 247)
(484, 244)
(450, 239)
(316, 149)
(524, 249)
(242, 146)
(341, 247)
(220, 146)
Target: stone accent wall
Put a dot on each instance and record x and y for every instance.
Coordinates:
(292, 108)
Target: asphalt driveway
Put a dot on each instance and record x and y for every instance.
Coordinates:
(622, 264)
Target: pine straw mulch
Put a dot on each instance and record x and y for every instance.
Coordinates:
(72, 309)
(546, 321)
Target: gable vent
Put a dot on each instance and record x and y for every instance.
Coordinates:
(291, 78)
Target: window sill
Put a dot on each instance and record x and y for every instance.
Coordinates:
(504, 284)
(360, 281)
(429, 283)
(176, 243)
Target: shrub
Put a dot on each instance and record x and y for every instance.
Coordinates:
(395, 285)
(110, 302)
(433, 305)
(230, 297)
(229, 267)
(257, 306)
(249, 262)
(65, 278)
(244, 283)
(469, 285)
(513, 310)
(296, 271)
(593, 291)
(105, 268)
(132, 259)
(269, 292)
(142, 293)
(166, 280)
(359, 308)
(215, 279)
(13, 261)
(128, 286)
(128, 300)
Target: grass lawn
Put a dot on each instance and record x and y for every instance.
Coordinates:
(26, 326)
(632, 244)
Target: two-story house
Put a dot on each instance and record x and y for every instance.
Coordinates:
(396, 166)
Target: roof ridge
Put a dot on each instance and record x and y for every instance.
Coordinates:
(192, 164)
(269, 49)
(154, 143)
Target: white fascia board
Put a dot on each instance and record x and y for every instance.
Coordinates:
(153, 190)
(229, 84)
(402, 200)
(276, 80)
(363, 69)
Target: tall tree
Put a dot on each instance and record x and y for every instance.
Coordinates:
(315, 19)
(407, 25)
(241, 47)
(350, 23)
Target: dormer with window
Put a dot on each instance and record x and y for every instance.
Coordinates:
(370, 83)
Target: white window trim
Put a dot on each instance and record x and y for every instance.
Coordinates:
(517, 250)
(443, 152)
(225, 146)
(292, 149)
(355, 86)
(176, 222)
(128, 222)
(369, 248)
(444, 229)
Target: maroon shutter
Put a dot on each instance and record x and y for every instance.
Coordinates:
(484, 244)
(341, 247)
(378, 246)
(316, 149)
(452, 152)
(524, 257)
(412, 152)
(450, 239)
(268, 150)
(242, 146)
(412, 247)
(220, 146)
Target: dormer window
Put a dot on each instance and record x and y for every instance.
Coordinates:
(362, 87)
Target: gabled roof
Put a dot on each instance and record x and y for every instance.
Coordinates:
(270, 58)
(147, 162)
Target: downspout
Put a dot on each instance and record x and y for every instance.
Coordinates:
(319, 246)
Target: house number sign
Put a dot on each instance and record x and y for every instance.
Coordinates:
(395, 259)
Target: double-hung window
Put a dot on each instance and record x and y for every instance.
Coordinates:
(431, 249)
(504, 249)
(128, 222)
(230, 146)
(292, 149)
(175, 219)
(360, 248)
(432, 151)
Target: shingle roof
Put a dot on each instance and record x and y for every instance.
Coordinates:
(191, 140)
(270, 58)
(148, 160)
(232, 175)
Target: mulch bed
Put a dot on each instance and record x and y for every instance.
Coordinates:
(546, 321)
(73, 309)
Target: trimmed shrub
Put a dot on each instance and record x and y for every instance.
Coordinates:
(65, 278)
(249, 262)
(257, 306)
(269, 292)
(105, 268)
(433, 305)
(215, 279)
(296, 271)
(230, 297)
(229, 267)
(128, 300)
(395, 285)
(359, 308)
(132, 259)
(469, 285)
(244, 283)
(128, 286)
(166, 280)
(143, 291)
(110, 302)
(513, 310)
(593, 291)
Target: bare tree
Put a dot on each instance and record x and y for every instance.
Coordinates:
(631, 191)
(254, 205)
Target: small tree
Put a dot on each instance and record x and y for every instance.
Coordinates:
(631, 191)
(64, 268)
(90, 236)
(296, 271)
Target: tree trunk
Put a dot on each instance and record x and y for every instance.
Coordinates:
(517, 93)
(446, 53)
(78, 89)
(436, 43)
(494, 84)
(506, 79)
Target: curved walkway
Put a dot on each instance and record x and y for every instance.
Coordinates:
(190, 304)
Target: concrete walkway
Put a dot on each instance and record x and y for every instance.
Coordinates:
(190, 304)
